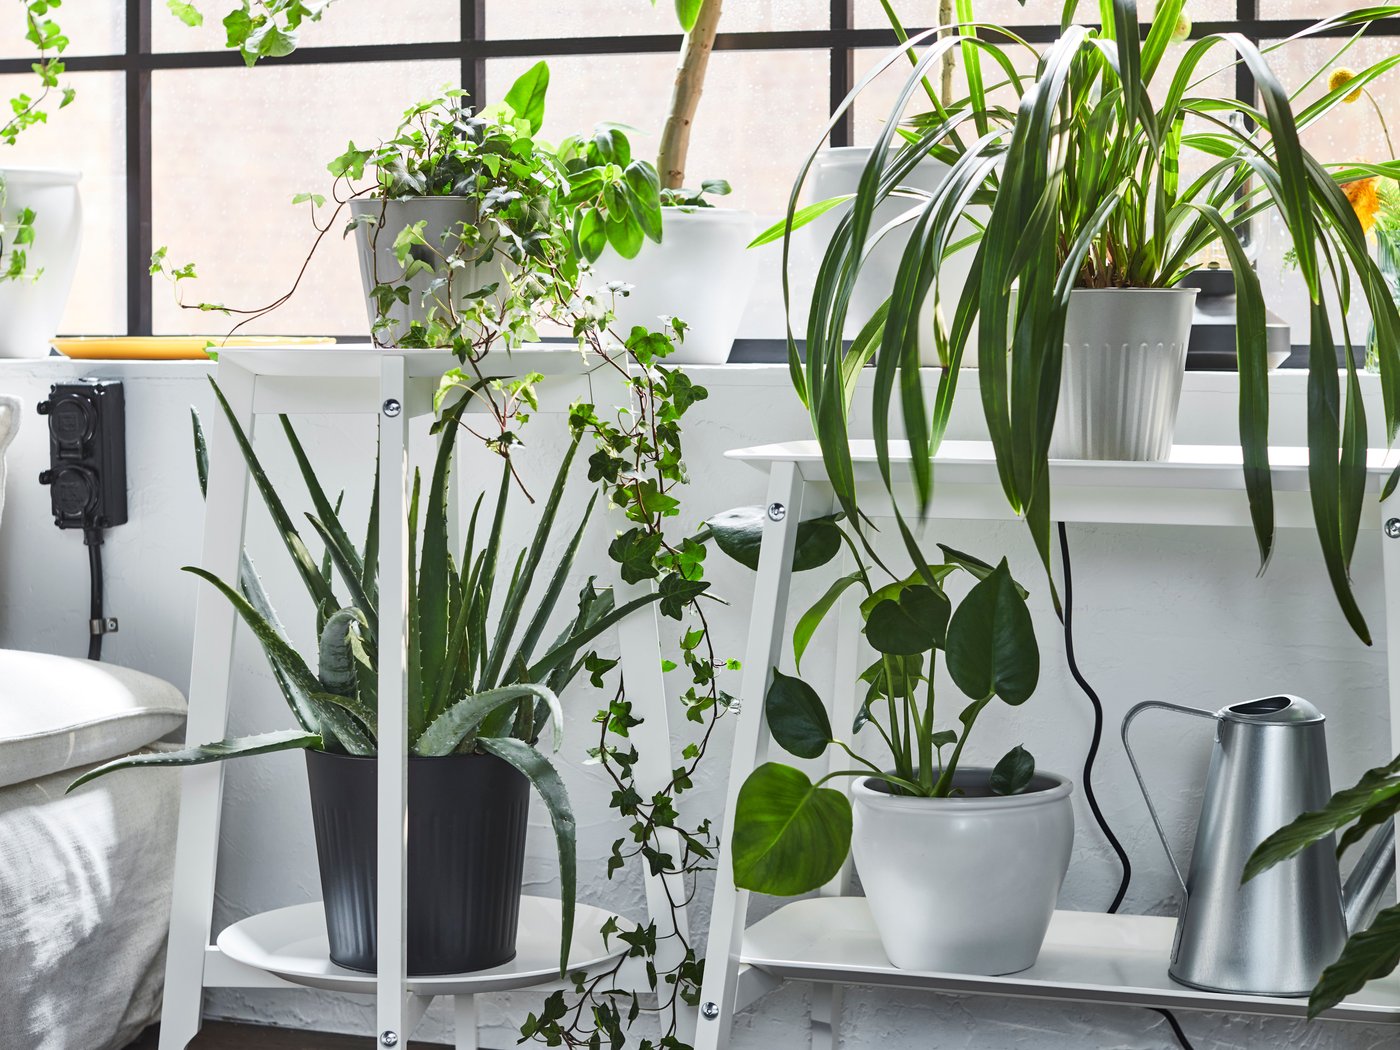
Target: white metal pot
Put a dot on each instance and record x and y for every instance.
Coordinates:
(701, 272)
(965, 884)
(835, 173)
(1120, 381)
(30, 309)
(443, 218)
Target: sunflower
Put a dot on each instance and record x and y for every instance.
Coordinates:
(1364, 195)
(1341, 77)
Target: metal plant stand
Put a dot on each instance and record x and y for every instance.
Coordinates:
(286, 948)
(830, 940)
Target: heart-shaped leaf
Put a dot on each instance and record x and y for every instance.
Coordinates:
(915, 622)
(796, 716)
(991, 641)
(1013, 773)
(739, 532)
(901, 675)
(790, 836)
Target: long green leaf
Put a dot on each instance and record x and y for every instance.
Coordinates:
(458, 722)
(1373, 953)
(235, 747)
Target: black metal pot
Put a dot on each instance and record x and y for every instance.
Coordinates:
(467, 816)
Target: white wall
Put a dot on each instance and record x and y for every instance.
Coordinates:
(1168, 613)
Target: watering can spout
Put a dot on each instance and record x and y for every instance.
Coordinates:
(1365, 886)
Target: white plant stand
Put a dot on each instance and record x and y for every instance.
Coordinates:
(830, 940)
(287, 947)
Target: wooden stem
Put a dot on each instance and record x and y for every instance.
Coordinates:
(949, 60)
(685, 97)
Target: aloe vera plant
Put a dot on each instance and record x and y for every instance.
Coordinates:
(479, 679)
(1086, 178)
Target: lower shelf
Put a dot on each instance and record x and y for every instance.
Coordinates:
(290, 943)
(1087, 958)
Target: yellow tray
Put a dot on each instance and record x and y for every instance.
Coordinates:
(166, 347)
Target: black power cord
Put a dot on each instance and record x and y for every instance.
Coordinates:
(1067, 619)
(97, 620)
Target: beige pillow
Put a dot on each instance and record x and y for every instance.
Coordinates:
(57, 713)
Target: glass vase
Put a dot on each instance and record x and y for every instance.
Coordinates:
(1388, 259)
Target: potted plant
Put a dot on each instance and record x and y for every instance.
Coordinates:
(961, 864)
(479, 699)
(1075, 276)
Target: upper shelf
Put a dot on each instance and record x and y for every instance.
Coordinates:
(1197, 485)
(363, 360)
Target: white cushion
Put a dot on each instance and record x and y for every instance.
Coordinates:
(9, 426)
(57, 713)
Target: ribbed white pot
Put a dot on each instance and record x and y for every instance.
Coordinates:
(835, 173)
(30, 310)
(1120, 380)
(701, 272)
(967, 884)
(443, 217)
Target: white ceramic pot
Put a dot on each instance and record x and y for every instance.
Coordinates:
(701, 272)
(967, 884)
(443, 217)
(835, 173)
(30, 310)
(1120, 380)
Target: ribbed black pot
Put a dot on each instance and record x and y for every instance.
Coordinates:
(467, 817)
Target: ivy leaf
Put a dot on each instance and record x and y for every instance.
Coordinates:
(635, 551)
(677, 592)
(238, 24)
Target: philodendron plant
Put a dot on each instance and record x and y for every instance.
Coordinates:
(791, 835)
(1106, 167)
(479, 679)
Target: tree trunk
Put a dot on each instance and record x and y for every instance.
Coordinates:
(685, 97)
(950, 57)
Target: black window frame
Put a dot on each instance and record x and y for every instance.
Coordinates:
(474, 47)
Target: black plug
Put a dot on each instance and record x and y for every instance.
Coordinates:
(87, 475)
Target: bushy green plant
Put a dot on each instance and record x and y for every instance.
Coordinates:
(791, 835)
(1085, 178)
(479, 679)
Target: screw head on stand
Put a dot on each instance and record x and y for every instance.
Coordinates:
(391, 409)
(776, 512)
(709, 1011)
(1392, 528)
(389, 1038)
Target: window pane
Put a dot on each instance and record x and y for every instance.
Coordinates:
(529, 19)
(760, 114)
(346, 22)
(88, 135)
(230, 151)
(91, 29)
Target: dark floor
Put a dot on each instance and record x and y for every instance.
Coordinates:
(221, 1035)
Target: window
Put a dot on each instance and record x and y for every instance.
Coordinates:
(180, 145)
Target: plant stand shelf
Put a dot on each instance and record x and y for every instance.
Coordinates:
(1112, 959)
(1087, 958)
(287, 947)
(290, 943)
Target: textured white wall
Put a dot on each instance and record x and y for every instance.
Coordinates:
(1168, 613)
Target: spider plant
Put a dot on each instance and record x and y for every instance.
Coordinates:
(479, 680)
(1083, 175)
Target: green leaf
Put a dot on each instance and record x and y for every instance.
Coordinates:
(915, 622)
(796, 716)
(463, 718)
(635, 552)
(235, 747)
(976, 566)
(991, 641)
(550, 787)
(1013, 773)
(739, 532)
(676, 592)
(185, 12)
(1373, 953)
(812, 618)
(645, 197)
(800, 218)
(526, 96)
(336, 667)
(687, 11)
(790, 836)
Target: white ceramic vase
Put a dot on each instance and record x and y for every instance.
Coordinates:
(835, 173)
(30, 310)
(1120, 380)
(443, 217)
(966, 884)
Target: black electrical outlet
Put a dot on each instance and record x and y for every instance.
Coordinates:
(87, 453)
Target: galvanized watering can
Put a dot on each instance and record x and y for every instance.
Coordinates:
(1275, 934)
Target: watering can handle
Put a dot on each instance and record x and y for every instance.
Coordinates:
(1142, 784)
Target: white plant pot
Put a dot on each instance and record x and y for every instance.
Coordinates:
(443, 217)
(32, 309)
(835, 173)
(1120, 380)
(967, 884)
(701, 272)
